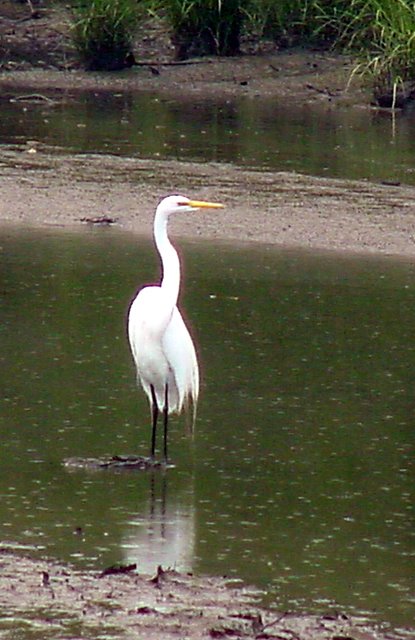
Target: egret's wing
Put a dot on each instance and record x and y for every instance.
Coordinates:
(163, 351)
(181, 355)
(148, 318)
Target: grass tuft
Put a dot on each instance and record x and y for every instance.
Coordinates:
(205, 27)
(380, 32)
(103, 31)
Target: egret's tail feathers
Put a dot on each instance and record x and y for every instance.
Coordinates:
(190, 410)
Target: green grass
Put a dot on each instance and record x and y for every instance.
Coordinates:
(299, 22)
(389, 56)
(380, 32)
(103, 31)
(205, 27)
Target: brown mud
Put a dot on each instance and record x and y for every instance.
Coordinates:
(36, 51)
(39, 187)
(46, 599)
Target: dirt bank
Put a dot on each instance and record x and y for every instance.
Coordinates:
(41, 599)
(42, 188)
(36, 51)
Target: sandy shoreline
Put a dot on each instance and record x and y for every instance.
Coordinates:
(281, 208)
(52, 188)
(54, 599)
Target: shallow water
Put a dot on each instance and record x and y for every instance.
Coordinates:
(319, 140)
(300, 477)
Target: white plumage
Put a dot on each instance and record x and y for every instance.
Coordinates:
(163, 351)
(160, 342)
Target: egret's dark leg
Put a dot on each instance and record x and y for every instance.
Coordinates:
(155, 415)
(166, 419)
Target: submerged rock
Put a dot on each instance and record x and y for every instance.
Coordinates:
(117, 462)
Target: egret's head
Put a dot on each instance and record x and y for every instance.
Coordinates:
(179, 204)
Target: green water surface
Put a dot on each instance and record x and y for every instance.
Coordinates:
(300, 478)
(319, 139)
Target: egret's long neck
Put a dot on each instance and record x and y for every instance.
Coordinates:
(170, 282)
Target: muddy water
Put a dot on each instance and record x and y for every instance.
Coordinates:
(324, 141)
(299, 479)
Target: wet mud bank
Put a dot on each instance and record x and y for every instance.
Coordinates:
(305, 76)
(42, 187)
(37, 52)
(47, 599)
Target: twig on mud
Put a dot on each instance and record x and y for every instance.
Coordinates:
(99, 220)
(170, 63)
(32, 97)
(325, 92)
(118, 569)
(274, 68)
(34, 13)
(275, 621)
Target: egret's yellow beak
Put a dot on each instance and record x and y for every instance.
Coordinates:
(201, 204)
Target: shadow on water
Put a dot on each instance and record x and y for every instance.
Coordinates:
(319, 140)
(299, 479)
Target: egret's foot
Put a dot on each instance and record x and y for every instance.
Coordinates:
(164, 463)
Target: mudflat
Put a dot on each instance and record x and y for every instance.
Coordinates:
(288, 209)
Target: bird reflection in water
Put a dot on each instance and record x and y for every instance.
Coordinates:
(165, 534)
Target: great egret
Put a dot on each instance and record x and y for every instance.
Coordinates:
(161, 345)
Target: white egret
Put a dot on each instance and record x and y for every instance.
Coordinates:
(161, 345)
